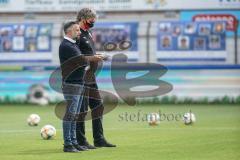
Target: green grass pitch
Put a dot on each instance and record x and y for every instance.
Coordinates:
(214, 136)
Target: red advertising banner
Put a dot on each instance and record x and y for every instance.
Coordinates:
(231, 20)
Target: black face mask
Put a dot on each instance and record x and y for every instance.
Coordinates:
(90, 25)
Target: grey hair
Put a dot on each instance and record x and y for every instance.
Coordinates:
(86, 13)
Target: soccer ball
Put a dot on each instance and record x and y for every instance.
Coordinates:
(33, 120)
(153, 119)
(48, 132)
(189, 118)
(38, 94)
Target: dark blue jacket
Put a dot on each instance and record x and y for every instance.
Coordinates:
(70, 59)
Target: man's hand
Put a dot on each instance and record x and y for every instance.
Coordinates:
(95, 58)
(99, 57)
(104, 56)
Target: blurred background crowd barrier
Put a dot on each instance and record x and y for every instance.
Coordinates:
(198, 43)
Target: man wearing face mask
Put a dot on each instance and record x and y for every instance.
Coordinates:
(86, 19)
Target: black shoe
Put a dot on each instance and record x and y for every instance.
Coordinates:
(103, 143)
(87, 145)
(80, 148)
(69, 148)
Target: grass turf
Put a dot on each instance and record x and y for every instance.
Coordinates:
(215, 135)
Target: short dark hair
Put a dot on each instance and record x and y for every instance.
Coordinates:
(68, 25)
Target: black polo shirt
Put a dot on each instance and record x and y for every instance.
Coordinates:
(87, 47)
(86, 43)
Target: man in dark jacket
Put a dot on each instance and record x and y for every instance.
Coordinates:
(73, 65)
(86, 19)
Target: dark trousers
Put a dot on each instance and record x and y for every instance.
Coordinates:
(93, 99)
